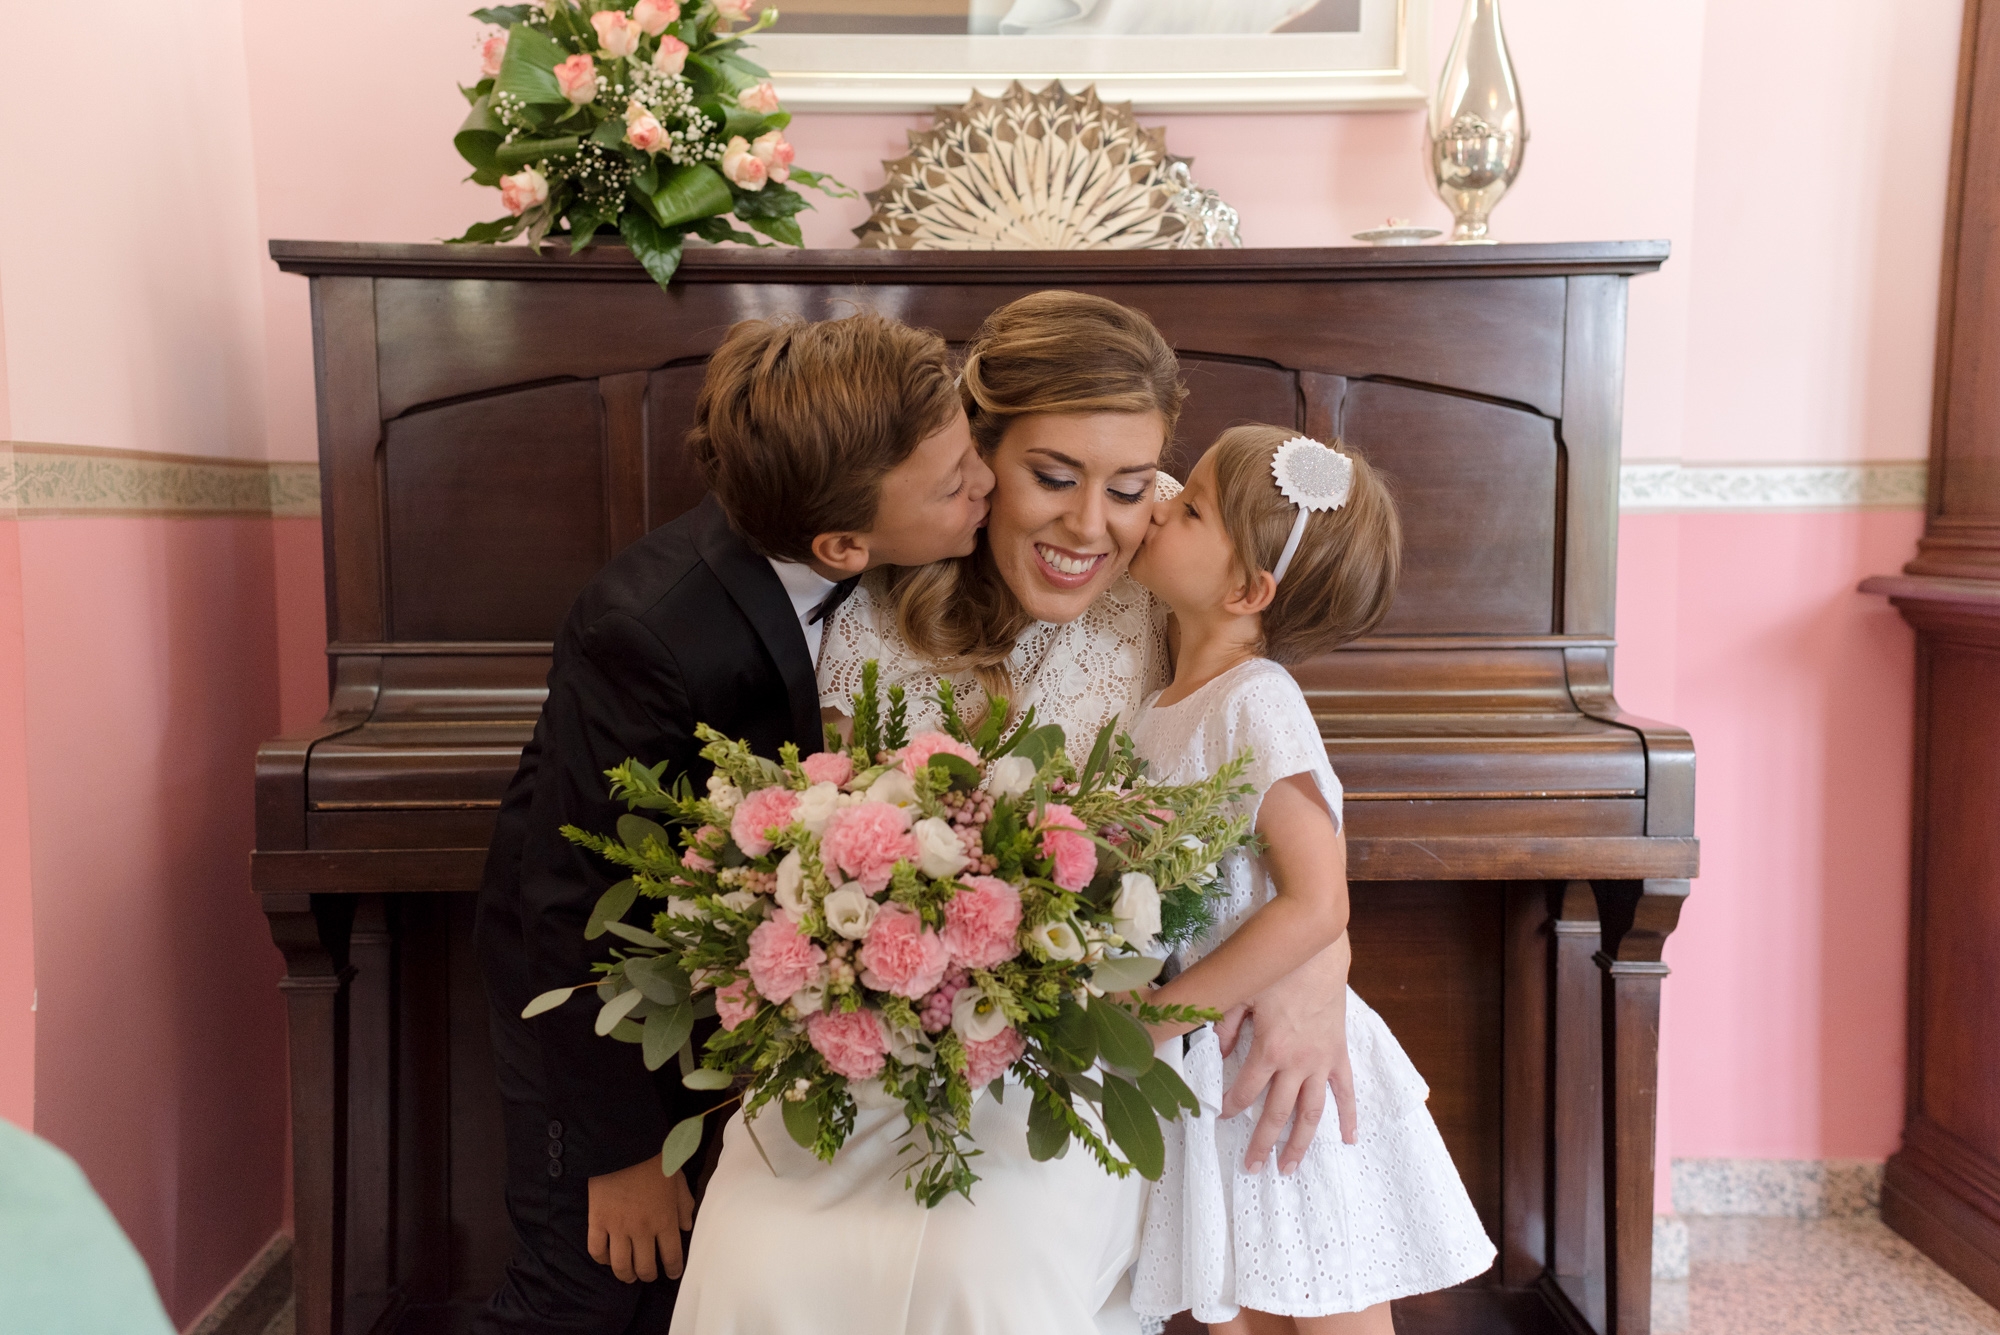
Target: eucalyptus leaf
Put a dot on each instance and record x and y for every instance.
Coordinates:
(1167, 1092)
(528, 70)
(1038, 744)
(617, 1009)
(1122, 1042)
(1072, 1046)
(701, 1077)
(1129, 1120)
(638, 936)
(680, 1144)
(998, 1089)
(548, 1001)
(686, 1058)
(612, 905)
(666, 1029)
(627, 1032)
(801, 1121)
(704, 1005)
(1122, 973)
(959, 773)
(1048, 1134)
(1089, 1088)
(662, 980)
(634, 831)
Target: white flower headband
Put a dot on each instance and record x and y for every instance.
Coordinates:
(1313, 477)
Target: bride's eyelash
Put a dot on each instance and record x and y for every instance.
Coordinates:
(1128, 497)
(1055, 483)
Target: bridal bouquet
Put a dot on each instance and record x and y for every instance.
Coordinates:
(641, 116)
(899, 921)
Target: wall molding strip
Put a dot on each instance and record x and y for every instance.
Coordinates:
(39, 480)
(1675, 487)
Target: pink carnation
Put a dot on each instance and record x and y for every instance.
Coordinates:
(927, 744)
(854, 1044)
(980, 923)
(1065, 844)
(758, 814)
(989, 1060)
(781, 960)
(735, 1003)
(867, 841)
(834, 767)
(901, 955)
(697, 862)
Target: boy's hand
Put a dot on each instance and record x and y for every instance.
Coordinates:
(636, 1212)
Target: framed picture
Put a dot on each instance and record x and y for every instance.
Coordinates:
(1163, 55)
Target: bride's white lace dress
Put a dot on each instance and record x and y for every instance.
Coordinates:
(843, 1248)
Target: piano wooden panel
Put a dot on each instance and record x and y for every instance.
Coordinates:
(494, 426)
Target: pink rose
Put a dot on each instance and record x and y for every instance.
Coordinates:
(1065, 844)
(653, 16)
(867, 841)
(980, 923)
(925, 744)
(742, 166)
(577, 77)
(491, 52)
(672, 57)
(759, 813)
(735, 1003)
(643, 130)
(696, 861)
(834, 767)
(989, 1060)
(617, 35)
(901, 955)
(524, 190)
(762, 99)
(781, 960)
(854, 1044)
(734, 11)
(776, 155)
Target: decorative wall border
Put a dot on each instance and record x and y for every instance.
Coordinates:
(54, 480)
(1646, 487)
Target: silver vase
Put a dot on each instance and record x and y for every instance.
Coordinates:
(1477, 130)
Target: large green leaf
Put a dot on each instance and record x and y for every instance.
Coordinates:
(638, 936)
(1122, 973)
(1037, 744)
(1048, 1134)
(1072, 1043)
(1167, 1092)
(801, 1121)
(505, 16)
(479, 135)
(612, 905)
(634, 831)
(617, 1009)
(773, 201)
(656, 248)
(1122, 1041)
(787, 231)
(1129, 1120)
(689, 192)
(529, 69)
(663, 981)
(512, 157)
(486, 233)
(955, 772)
(702, 1077)
(680, 1145)
(718, 231)
(666, 1030)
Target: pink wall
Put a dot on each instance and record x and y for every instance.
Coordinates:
(17, 912)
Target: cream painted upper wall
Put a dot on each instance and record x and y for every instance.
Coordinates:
(128, 232)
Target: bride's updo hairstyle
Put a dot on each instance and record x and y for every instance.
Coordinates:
(1052, 352)
(797, 422)
(1342, 577)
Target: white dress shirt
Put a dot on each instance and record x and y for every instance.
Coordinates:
(807, 589)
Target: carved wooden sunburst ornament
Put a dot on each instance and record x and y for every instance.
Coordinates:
(1031, 171)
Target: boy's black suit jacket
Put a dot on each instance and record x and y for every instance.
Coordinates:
(688, 625)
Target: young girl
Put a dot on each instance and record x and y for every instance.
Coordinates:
(1280, 549)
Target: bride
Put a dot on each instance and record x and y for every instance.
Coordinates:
(1071, 399)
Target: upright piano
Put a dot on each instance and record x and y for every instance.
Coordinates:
(494, 425)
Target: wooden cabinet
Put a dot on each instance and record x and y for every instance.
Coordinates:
(1942, 1189)
(495, 425)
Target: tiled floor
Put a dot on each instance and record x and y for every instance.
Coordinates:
(1812, 1277)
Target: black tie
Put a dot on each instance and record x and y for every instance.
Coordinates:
(834, 598)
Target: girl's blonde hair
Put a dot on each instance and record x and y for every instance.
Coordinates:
(1050, 352)
(1343, 577)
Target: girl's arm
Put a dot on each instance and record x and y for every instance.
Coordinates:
(1307, 859)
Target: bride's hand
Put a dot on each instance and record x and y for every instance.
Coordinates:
(1298, 1050)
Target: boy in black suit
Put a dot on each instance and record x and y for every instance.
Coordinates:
(829, 449)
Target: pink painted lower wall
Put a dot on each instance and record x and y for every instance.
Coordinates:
(1783, 1026)
(151, 676)
(298, 568)
(17, 912)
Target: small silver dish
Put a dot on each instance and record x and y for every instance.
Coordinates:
(1397, 234)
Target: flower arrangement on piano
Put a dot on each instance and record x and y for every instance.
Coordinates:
(642, 117)
(900, 921)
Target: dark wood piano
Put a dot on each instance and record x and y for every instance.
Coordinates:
(494, 426)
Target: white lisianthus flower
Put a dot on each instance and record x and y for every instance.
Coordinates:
(910, 1047)
(723, 793)
(872, 1095)
(1135, 910)
(816, 804)
(791, 889)
(849, 912)
(1010, 776)
(685, 908)
(895, 788)
(1056, 941)
(976, 1016)
(741, 901)
(1191, 844)
(808, 999)
(939, 853)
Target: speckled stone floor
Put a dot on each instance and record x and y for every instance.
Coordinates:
(1812, 1277)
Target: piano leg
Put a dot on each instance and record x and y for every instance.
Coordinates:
(1635, 917)
(1577, 1201)
(311, 931)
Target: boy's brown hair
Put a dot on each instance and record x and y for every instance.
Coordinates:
(797, 422)
(1343, 577)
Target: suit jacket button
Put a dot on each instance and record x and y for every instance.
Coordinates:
(555, 1130)
(555, 1168)
(555, 1149)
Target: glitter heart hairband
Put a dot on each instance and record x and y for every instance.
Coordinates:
(1313, 477)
